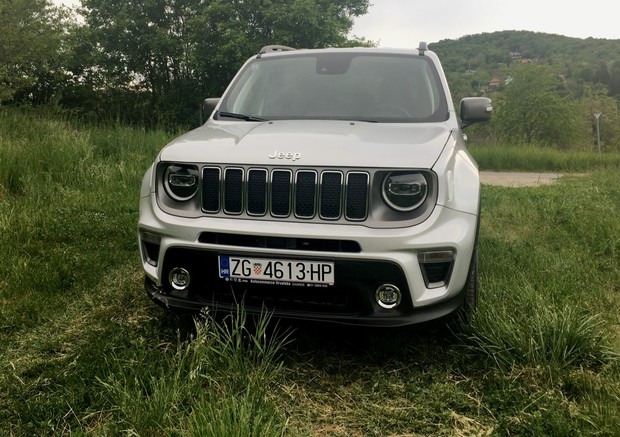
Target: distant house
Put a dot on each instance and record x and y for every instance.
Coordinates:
(515, 55)
(494, 84)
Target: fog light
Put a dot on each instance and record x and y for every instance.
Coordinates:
(179, 278)
(388, 296)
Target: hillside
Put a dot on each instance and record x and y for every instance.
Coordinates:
(474, 61)
(493, 49)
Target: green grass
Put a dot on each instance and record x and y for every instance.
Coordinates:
(216, 382)
(83, 351)
(531, 158)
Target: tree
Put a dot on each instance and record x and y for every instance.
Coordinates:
(140, 51)
(614, 79)
(30, 46)
(531, 110)
(181, 51)
(598, 102)
(601, 75)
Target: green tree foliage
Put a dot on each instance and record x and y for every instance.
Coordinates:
(598, 102)
(530, 109)
(601, 75)
(137, 55)
(31, 49)
(614, 79)
(166, 56)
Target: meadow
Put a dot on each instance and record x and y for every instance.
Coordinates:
(84, 352)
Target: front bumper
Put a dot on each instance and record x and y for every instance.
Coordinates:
(313, 308)
(364, 259)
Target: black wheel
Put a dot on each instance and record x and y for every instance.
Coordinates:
(458, 322)
(471, 290)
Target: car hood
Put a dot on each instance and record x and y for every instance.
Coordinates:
(311, 143)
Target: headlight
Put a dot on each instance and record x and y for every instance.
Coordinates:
(181, 182)
(404, 191)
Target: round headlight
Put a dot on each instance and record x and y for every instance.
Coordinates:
(181, 182)
(404, 191)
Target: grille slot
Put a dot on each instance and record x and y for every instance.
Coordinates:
(233, 191)
(281, 193)
(331, 195)
(357, 196)
(257, 192)
(211, 189)
(305, 194)
(264, 242)
(302, 194)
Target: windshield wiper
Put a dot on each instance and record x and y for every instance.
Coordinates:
(240, 116)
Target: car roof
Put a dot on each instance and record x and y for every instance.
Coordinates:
(279, 50)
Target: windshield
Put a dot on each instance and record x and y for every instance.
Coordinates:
(338, 85)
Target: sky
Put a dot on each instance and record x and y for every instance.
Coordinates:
(404, 23)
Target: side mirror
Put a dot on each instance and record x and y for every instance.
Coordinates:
(208, 106)
(474, 110)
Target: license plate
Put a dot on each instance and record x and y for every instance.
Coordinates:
(276, 271)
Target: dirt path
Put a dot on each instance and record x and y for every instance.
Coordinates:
(517, 179)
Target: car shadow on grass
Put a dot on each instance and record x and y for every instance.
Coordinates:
(320, 345)
(370, 342)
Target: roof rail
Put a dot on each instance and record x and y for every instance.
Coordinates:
(422, 47)
(274, 48)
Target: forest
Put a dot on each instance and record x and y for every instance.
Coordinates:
(152, 63)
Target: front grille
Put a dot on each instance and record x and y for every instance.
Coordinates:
(303, 194)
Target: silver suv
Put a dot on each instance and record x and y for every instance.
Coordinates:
(329, 184)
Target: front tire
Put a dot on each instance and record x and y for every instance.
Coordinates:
(471, 291)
